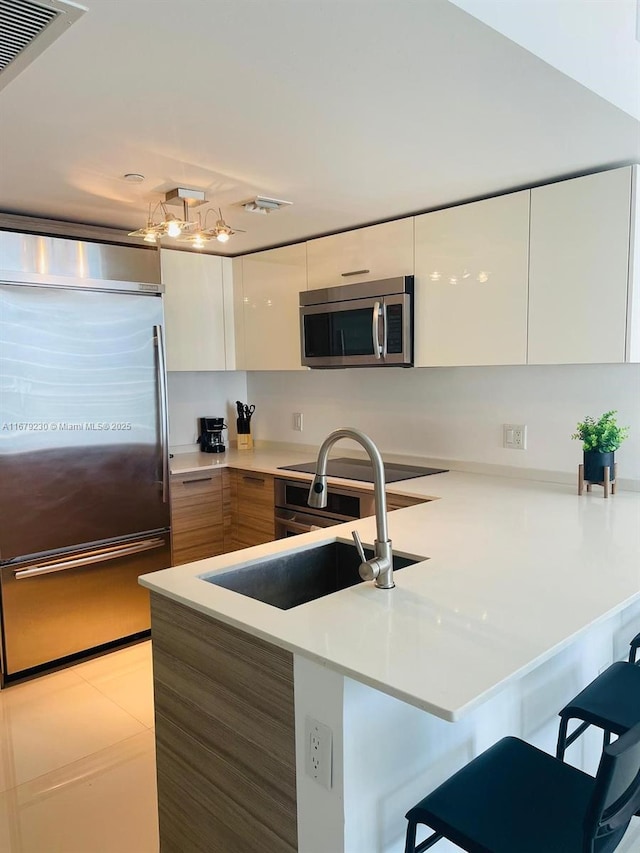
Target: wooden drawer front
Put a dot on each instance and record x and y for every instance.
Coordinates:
(196, 516)
(191, 486)
(252, 509)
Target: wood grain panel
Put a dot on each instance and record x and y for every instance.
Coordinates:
(197, 527)
(225, 736)
(252, 509)
(226, 508)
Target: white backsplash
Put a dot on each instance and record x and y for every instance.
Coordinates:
(454, 413)
(202, 394)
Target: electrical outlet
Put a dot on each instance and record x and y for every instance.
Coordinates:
(514, 436)
(297, 421)
(319, 751)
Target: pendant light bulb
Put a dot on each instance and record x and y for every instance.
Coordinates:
(222, 237)
(173, 229)
(198, 241)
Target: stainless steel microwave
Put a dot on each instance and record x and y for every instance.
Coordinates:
(358, 325)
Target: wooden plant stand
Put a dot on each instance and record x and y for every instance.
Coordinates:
(609, 482)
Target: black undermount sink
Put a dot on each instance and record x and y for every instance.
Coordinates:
(298, 577)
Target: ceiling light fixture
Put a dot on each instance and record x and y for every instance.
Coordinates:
(170, 225)
(183, 229)
(220, 231)
(261, 204)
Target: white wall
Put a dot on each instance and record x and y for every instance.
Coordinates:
(199, 394)
(455, 413)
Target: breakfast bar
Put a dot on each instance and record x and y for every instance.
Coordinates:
(520, 593)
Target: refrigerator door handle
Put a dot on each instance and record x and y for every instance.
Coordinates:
(89, 558)
(162, 394)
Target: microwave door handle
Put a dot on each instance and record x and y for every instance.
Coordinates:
(374, 329)
(384, 329)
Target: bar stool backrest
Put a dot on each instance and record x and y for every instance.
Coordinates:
(616, 795)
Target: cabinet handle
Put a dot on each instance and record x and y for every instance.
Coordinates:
(197, 480)
(252, 479)
(354, 272)
(88, 558)
(163, 410)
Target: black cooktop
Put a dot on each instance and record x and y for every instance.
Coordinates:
(361, 469)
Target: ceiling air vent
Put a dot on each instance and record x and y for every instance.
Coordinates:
(27, 29)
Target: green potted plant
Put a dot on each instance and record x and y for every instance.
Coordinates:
(600, 439)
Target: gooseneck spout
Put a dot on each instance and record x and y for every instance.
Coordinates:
(379, 567)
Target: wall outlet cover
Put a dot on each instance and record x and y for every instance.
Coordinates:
(514, 436)
(318, 751)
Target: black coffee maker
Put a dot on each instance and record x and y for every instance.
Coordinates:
(210, 438)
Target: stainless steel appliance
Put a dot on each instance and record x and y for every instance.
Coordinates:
(293, 515)
(210, 438)
(358, 325)
(84, 486)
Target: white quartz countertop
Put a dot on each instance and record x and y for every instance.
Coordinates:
(517, 570)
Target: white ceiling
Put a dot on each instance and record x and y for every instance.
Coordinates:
(594, 41)
(354, 110)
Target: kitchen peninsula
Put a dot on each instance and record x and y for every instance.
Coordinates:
(527, 592)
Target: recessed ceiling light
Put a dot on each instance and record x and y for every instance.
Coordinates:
(134, 177)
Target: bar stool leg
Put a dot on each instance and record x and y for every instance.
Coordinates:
(410, 844)
(562, 738)
(607, 480)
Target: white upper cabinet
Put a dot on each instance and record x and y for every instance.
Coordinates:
(471, 283)
(366, 254)
(194, 310)
(579, 285)
(270, 286)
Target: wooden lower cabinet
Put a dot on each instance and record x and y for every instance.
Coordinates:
(252, 509)
(225, 736)
(214, 512)
(402, 501)
(197, 515)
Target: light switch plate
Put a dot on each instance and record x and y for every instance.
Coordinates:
(514, 436)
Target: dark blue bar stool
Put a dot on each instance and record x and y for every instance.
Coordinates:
(611, 702)
(513, 798)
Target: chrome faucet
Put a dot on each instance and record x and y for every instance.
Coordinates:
(380, 566)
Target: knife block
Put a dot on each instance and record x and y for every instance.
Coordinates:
(245, 441)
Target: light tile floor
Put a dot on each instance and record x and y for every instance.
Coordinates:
(77, 760)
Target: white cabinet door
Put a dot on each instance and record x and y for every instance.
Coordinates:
(366, 254)
(271, 284)
(579, 267)
(471, 283)
(194, 310)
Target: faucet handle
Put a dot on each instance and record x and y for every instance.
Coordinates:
(358, 544)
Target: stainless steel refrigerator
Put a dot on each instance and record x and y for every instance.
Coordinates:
(84, 503)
